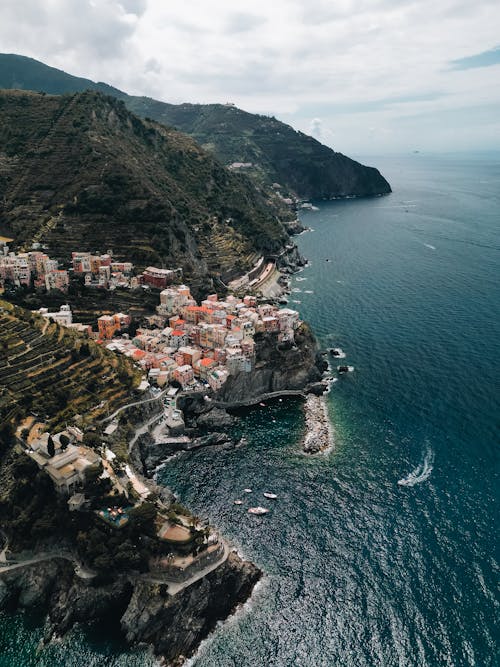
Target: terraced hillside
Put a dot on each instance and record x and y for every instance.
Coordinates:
(54, 373)
(81, 172)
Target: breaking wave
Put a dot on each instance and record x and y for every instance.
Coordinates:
(421, 473)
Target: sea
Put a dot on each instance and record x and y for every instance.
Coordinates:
(383, 551)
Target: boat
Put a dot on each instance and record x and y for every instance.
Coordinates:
(238, 502)
(258, 510)
(262, 405)
(247, 490)
(272, 496)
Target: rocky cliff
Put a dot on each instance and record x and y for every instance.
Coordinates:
(278, 367)
(173, 625)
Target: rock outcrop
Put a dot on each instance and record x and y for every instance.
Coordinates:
(278, 367)
(173, 625)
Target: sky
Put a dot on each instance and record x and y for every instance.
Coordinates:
(365, 77)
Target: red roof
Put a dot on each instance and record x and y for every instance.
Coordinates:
(178, 333)
(206, 361)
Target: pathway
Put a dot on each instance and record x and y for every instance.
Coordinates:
(175, 587)
(131, 405)
(263, 397)
(144, 428)
(80, 570)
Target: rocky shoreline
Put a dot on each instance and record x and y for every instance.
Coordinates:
(173, 625)
(319, 431)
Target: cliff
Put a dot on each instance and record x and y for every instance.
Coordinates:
(277, 152)
(278, 367)
(173, 625)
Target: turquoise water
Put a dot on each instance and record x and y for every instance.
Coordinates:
(361, 570)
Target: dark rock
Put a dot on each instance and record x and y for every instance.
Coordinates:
(215, 418)
(175, 626)
(276, 369)
(317, 388)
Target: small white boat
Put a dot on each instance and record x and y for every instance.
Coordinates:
(238, 502)
(247, 490)
(258, 510)
(272, 496)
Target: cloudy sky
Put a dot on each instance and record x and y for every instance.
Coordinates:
(363, 76)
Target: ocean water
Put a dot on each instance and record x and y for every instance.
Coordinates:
(383, 551)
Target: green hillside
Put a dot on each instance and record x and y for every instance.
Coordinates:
(277, 152)
(81, 172)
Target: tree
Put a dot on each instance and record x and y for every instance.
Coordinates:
(51, 449)
(91, 439)
(64, 440)
(6, 436)
(142, 517)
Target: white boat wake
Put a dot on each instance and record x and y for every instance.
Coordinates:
(431, 247)
(421, 473)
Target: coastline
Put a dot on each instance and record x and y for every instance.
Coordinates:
(144, 603)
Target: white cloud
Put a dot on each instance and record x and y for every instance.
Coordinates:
(356, 65)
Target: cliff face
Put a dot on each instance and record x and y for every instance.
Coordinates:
(173, 625)
(277, 368)
(176, 625)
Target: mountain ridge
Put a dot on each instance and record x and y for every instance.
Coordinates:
(300, 164)
(80, 171)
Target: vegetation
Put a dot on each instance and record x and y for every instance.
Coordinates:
(81, 172)
(279, 154)
(54, 373)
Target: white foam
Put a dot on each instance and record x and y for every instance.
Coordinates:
(421, 473)
(308, 291)
(258, 591)
(428, 245)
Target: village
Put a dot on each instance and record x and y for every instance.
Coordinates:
(184, 343)
(184, 346)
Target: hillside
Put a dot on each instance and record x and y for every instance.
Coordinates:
(278, 153)
(53, 372)
(81, 172)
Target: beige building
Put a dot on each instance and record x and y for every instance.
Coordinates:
(66, 468)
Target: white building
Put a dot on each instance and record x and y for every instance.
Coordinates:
(64, 316)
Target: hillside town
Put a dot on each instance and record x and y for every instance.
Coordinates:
(188, 343)
(36, 269)
(184, 343)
